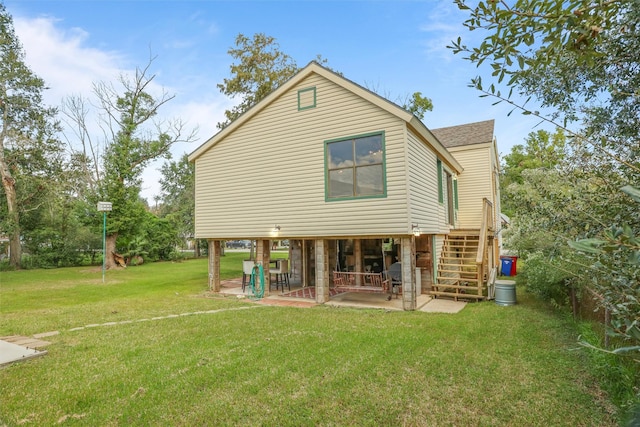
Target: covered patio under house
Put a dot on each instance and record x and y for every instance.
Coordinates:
(365, 265)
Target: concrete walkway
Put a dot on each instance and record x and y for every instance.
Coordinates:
(17, 348)
(439, 305)
(10, 353)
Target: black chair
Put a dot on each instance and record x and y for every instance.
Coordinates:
(395, 277)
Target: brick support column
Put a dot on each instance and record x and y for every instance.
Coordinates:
(408, 255)
(357, 252)
(215, 250)
(322, 271)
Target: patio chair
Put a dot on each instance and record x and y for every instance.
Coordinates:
(395, 278)
(282, 273)
(247, 269)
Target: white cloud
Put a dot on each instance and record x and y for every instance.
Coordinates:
(62, 59)
(70, 66)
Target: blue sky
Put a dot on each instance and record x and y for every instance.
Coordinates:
(392, 47)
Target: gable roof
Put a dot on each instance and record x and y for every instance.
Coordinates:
(467, 134)
(314, 67)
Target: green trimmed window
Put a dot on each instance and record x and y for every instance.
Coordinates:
(455, 193)
(440, 189)
(355, 167)
(306, 98)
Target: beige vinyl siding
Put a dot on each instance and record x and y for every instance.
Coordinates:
(424, 208)
(474, 183)
(271, 171)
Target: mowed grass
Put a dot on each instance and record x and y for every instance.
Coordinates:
(249, 364)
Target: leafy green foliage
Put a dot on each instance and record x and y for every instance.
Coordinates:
(616, 258)
(136, 139)
(178, 196)
(29, 153)
(541, 150)
(528, 36)
(132, 148)
(418, 105)
(260, 69)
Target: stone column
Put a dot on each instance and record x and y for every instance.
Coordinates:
(357, 253)
(263, 256)
(322, 271)
(408, 256)
(215, 249)
(295, 260)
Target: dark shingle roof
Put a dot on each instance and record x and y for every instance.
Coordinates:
(469, 134)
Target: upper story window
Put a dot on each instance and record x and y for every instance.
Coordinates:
(450, 191)
(355, 167)
(306, 98)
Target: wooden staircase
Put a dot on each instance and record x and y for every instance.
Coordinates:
(461, 269)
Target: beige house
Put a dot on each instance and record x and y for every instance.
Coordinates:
(356, 184)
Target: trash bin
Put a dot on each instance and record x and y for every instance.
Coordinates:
(514, 260)
(505, 292)
(507, 266)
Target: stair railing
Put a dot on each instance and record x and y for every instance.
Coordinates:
(485, 226)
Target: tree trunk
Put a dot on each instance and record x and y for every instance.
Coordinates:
(111, 249)
(13, 217)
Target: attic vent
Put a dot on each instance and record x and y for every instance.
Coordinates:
(306, 98)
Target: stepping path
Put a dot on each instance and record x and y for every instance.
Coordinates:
(169, 316)
(16, 348)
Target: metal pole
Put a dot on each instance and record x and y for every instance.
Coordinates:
(104, 243)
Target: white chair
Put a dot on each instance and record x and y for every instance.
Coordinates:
(282, 273)
(247, 270)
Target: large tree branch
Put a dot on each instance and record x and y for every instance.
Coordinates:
(496, 94)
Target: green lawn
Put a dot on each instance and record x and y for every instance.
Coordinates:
(487, 365)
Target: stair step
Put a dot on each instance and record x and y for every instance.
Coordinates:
(440, 287)
(457, 269)
(459, 257)
(454, 295)
(458, 260)
(471, 266)
(462, 232)
(457, 279)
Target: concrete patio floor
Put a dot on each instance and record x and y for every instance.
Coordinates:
(425, 303)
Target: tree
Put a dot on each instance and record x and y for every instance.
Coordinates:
(579, 60)
(133, 139)
(261, 69)
(178, 196)
(418, 105)
(541, 150)
(29, 154)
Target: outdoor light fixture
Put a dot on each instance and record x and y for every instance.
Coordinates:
(276, 229)
(415, 229)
